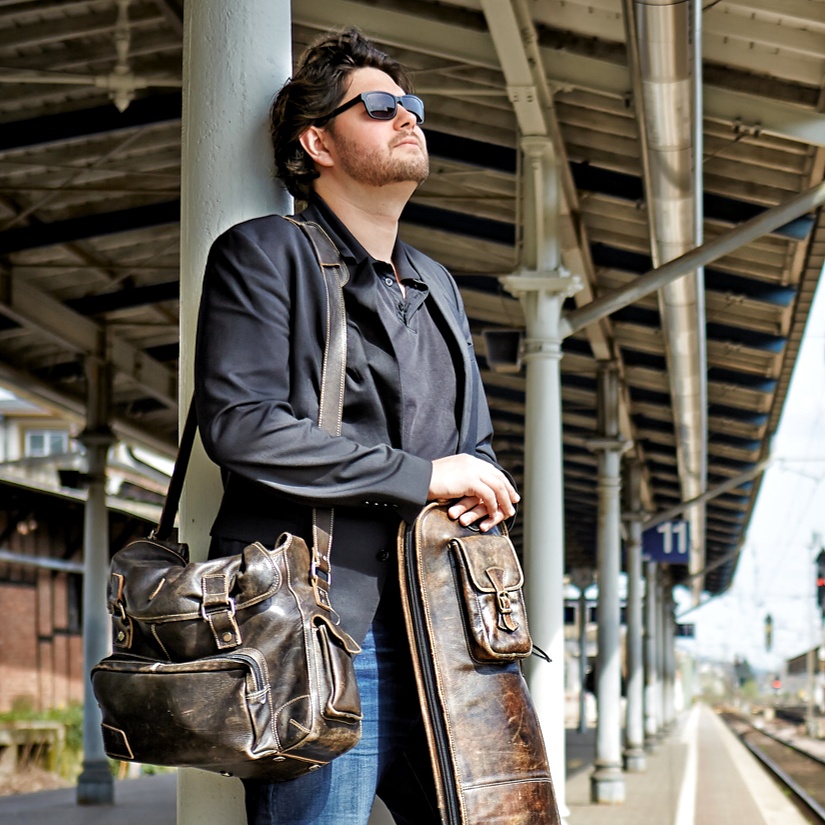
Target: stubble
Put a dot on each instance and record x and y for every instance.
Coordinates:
(381, 167)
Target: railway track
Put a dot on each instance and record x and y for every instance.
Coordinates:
(800, 772)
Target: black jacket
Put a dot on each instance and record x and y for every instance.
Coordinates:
(257, 376)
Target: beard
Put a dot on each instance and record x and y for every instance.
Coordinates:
(379, 167)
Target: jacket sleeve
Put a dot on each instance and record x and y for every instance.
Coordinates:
(244, 363)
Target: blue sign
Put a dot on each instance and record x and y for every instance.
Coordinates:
(667, 543)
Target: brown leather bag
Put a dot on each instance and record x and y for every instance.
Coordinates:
(235, 665)
(462, 596)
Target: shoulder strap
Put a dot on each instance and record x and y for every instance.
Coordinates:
(331, 401)
(330, 407)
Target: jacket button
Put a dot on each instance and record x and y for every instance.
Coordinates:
(382, 555)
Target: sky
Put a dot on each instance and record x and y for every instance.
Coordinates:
(776, 572)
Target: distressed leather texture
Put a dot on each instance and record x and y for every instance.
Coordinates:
(235, 665)
(228, 665)
(487, 748)
(491, 585)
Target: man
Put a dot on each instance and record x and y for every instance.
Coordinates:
(347, 139)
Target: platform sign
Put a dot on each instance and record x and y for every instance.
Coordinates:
(667, 543)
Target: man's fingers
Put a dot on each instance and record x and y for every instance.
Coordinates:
(482, 489)
(459, 508)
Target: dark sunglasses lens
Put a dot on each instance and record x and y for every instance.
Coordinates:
(380, 105)
(414, 105)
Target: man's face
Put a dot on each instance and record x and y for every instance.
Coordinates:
(377, 152)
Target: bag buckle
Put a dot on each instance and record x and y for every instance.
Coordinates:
(505, 609)
(228, 608)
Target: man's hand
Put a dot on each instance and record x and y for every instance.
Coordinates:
(484, 492)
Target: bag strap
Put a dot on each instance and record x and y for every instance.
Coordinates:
(331, 400)
(330, 409)
(166, 523)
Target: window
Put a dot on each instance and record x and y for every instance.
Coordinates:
(46, 442)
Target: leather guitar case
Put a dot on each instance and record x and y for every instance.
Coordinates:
(461, 592)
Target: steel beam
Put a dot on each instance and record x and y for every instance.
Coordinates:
(39, 235)
(563, 69)
(711, 251)
(38, 311)
(51, 129)
(42, 562)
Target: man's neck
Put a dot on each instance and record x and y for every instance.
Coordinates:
(371, 216)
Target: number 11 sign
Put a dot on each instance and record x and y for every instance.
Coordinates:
(668, 543)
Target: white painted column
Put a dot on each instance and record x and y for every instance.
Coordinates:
(582, 578)
(661, 651)
(634, 754)
(652, 689)
(607, 783)
(95, 785)
(235, 58)
(668, 655)
(542, 286)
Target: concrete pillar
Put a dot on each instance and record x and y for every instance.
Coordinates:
(235, 58)
(95, 785)
(634, 754)
(542, 286)
(652, 689)
(607, 783)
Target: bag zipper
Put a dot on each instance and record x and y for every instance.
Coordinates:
(254, 666)
(427, 665)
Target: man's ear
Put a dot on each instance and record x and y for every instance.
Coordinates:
(314, 141)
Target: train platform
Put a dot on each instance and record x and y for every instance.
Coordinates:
(699, 775)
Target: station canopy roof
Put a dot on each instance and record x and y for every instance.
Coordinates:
(90, 204)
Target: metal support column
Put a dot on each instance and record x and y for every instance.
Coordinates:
(542, 287)
(607, 783)
(235, 58)
(635, 760)
(95, 785)
(661, 650)
(669, 655)
(582, 578)
(652, 690)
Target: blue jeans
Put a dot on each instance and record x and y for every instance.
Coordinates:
(390, 761)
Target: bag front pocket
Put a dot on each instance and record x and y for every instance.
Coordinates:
(177, 714)
(491, 582)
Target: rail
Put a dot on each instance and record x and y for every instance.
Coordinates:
(794, 774)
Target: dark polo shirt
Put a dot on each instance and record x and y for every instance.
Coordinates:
(422, 420)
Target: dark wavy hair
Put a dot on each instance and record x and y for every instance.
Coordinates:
(316, 89)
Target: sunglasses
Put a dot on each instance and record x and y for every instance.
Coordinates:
(382, 106)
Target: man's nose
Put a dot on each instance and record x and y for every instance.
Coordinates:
(404, 118)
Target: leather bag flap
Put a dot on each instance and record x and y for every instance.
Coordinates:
(156, 585)
(491, 562)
